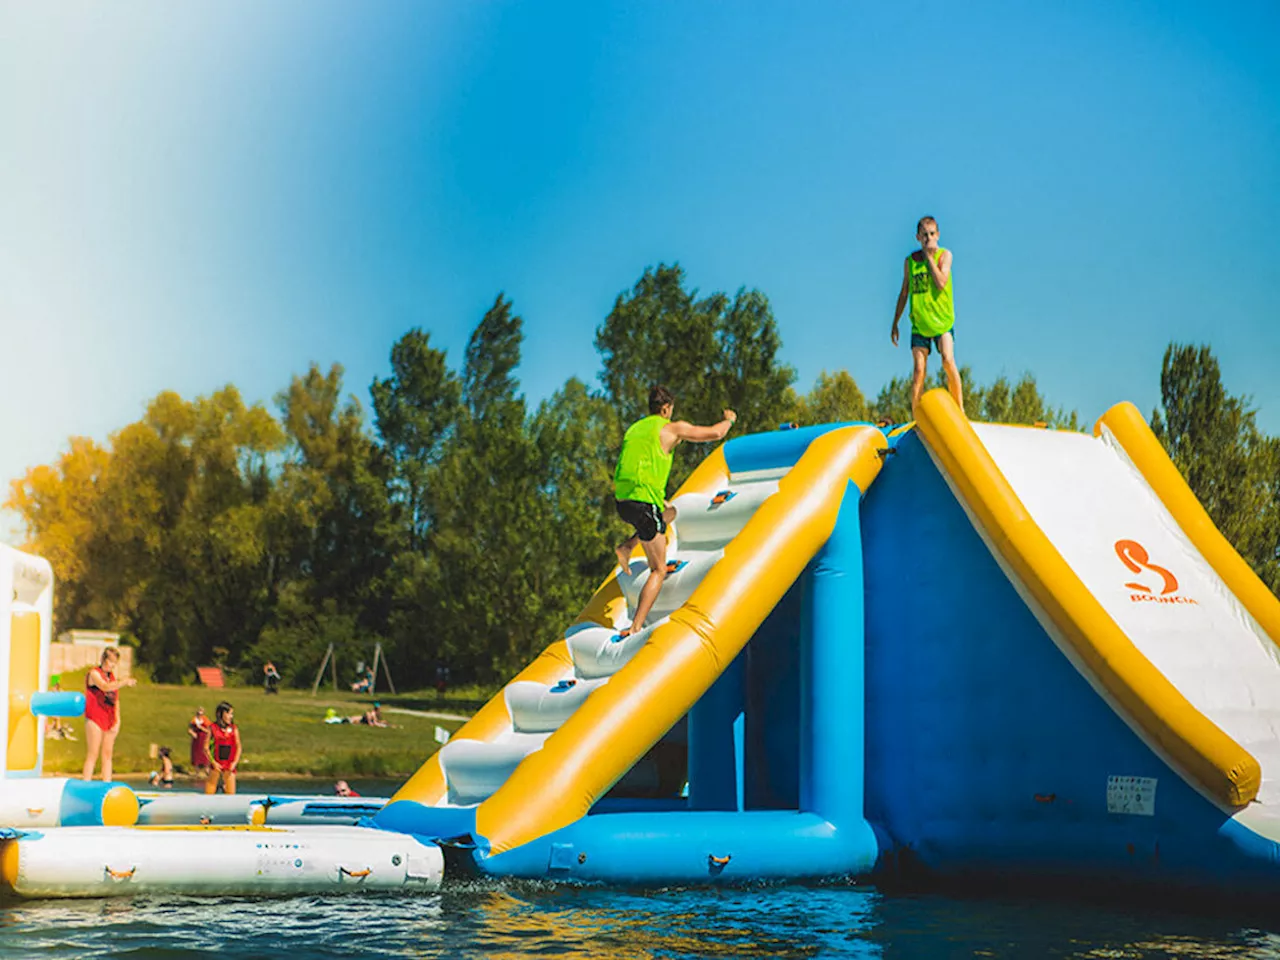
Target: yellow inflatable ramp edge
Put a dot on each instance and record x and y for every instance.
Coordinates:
(1130, 430)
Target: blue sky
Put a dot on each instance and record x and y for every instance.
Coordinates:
(196, 194)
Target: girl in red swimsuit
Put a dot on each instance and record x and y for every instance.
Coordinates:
(102, 712)
(224, 750)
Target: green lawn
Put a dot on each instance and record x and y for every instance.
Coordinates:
(282, 733)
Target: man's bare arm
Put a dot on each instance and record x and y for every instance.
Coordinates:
(679, 430)
(941, 269)
(902, 300)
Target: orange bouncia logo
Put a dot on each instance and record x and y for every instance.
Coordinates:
(1134, 556)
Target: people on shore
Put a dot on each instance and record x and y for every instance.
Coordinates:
(926, 282)
(224, 750)
(640, 488)
(370, 718)
(365, 680)
(102, 712)
(270, 678)
(198, 731)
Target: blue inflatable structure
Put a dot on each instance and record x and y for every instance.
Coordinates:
(964, 650)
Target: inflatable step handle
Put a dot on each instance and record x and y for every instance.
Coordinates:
(357, 874)
(60, 704)
(120, 875)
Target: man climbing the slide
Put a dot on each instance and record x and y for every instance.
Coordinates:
(640, 488)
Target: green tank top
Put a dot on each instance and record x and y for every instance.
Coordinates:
(643, 466)
(933, 312)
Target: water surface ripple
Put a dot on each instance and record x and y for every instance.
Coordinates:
(557, 921)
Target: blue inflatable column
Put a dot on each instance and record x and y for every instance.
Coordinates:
(832, 694)
(716, 743)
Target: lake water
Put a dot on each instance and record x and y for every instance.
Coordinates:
(533, 921)
(524, 920)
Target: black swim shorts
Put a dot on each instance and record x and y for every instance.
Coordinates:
(645, 517)
(926, 343)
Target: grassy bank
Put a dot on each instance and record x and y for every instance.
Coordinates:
(282, 734)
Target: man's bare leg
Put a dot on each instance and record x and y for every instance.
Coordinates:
(624, 551)
(919, 363)
(947, 347)
(655, 551)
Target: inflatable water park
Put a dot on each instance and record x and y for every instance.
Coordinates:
(945, 649)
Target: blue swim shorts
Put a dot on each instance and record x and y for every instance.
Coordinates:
(926, 343)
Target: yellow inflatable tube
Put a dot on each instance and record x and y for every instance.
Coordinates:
(1130, 430)
(428, 786)
(619, 722)
(1222, 768)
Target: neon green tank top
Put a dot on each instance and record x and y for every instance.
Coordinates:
(933, 311)
(643, 467)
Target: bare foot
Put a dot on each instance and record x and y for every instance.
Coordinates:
(624, 559)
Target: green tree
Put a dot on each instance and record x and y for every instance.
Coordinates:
(163, 534)
(997, 402)
(491, 534)
(493, 353)
(712, 353)
(835, 398)
(416, 411)
(335, 526)
(577, 435)
(60, 506)
(183, 549)
(1230, 465)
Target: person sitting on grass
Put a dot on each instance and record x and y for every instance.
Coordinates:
(365, 682)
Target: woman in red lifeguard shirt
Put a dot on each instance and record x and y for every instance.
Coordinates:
(102, 712)
(198, 731)
(224, 750)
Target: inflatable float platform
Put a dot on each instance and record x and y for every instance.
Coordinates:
(964, 650)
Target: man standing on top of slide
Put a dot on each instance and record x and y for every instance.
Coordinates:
(926, 282)
(640, 487)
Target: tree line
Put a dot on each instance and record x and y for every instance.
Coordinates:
(457, 524)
